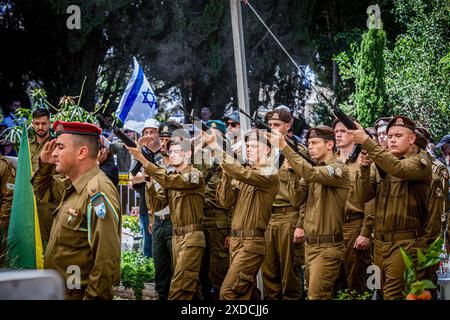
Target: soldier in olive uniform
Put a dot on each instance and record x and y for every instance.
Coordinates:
(251, 190)
(46, 205)
(401, 199)
(7, 177)
(326, 187)
(216, 222)
(183, 191)
(85, 237)
(160, 224)
(281, 269)
(437, 203)
(358, 225)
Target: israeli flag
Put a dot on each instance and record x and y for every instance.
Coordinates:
(138, 102)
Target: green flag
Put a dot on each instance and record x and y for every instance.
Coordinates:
(24, 237)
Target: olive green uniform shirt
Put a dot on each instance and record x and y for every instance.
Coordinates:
(182, 191)
(252, 193)
(401, 194)
(86, 229)
(326, 187)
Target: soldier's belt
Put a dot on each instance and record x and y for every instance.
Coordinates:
(181, 231)
(247, 233)
(75, 292)
(284, 209)
(324, 239)
(354, 216)
(162, 216)
(213, 211)
(398, 235)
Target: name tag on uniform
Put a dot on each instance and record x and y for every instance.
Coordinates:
(100, 210)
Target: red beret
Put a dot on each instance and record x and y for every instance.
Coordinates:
(76, 128)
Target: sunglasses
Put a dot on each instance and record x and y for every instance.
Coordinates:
(232, 124)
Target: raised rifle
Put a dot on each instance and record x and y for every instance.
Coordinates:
(148, 154)
(226, 147)
(347, 122)
(290, 142)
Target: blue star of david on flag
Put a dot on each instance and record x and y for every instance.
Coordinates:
(135, 109)
(152, 102)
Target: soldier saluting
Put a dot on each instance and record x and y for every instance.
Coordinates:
(86, 227)
(327, 186)
(401, 199)
(252, 191)
(183, 191)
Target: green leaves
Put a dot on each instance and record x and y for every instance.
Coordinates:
(370, 86)
(346, 294)
(136, 270)
(132, 223)
(424, 260)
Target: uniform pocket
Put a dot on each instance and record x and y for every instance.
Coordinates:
(195, 239)
(190, 281)
(71, 219)
(255, 247)
(398, 187)
(243, 283)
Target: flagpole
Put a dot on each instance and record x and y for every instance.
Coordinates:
(239, 60)
(242, 85)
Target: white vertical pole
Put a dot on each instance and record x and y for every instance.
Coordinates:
(239, 60)
(241, 79)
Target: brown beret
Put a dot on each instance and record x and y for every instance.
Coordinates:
(424, 132)
(421, 141)
(321, 131)
(401, 121)
(382, 122)
(279, 114)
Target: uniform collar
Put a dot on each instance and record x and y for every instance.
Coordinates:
(34, 139)
(82, 181)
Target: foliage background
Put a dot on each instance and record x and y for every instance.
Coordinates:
(187, 44)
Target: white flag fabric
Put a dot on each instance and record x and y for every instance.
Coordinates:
(138, 102)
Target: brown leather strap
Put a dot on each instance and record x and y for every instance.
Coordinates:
(398, 235)
(284, 209)
(181, 231)
(324, 239)
(247, 233)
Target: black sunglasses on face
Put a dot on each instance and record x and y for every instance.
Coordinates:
(232, 124)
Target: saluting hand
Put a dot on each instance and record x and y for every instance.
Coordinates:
(47, 152)
(358, 135)
(144, 141)
(210, 139)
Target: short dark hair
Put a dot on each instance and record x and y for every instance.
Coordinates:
(40, 112)
(92, 142)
